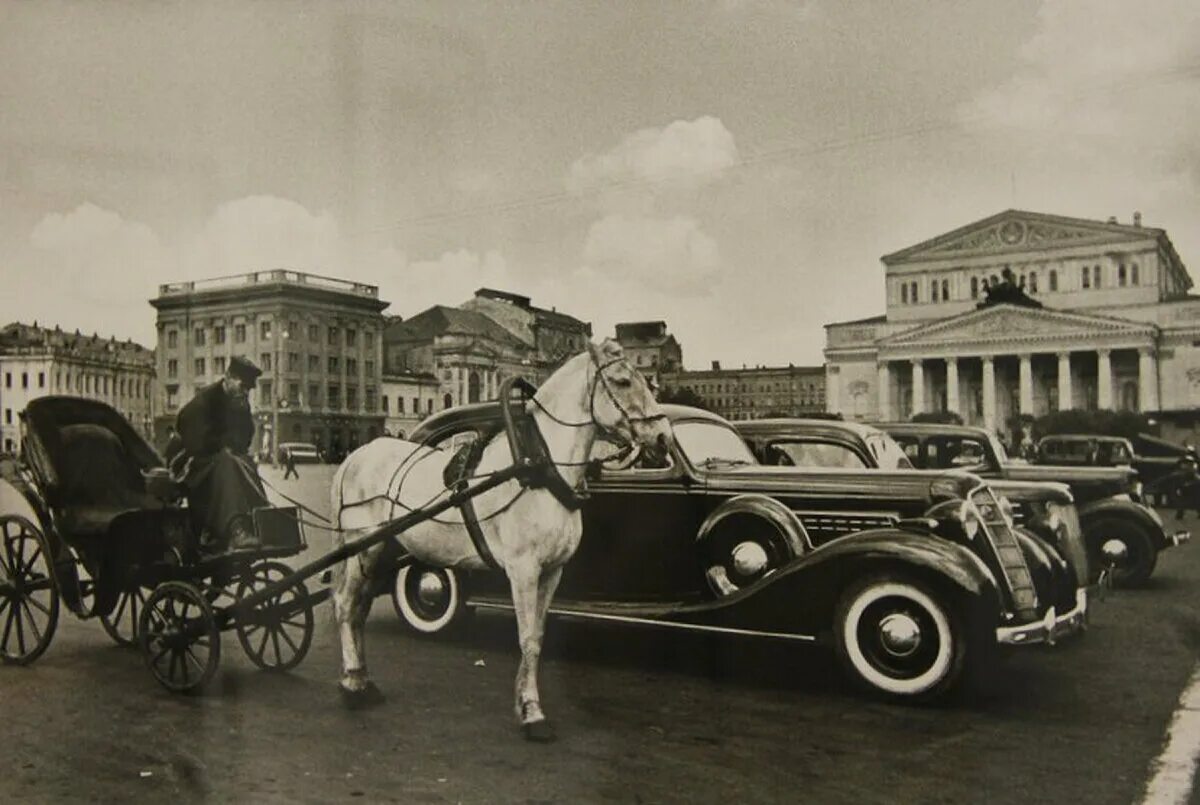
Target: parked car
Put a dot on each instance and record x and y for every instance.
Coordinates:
(1083, 450)
(301, 452)
(1115, 521)
(918, 577)
(1045, 508)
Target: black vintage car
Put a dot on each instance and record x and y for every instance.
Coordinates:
(918, 577)
(1117, 525)
(1045, 508)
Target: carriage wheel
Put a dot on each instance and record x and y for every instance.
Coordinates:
(179, 637)
(277, 634)
(28, 596)
(122, 623)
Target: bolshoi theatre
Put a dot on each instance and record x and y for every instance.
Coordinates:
(1102, 320)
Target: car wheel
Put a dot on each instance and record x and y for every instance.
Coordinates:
(742, 552)
(1124, 546)
(900, 638)
(428, 599)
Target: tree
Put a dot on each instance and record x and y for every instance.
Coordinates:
(1127, 424)
(683, 395)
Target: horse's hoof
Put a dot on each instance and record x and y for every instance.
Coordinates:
(541, 732)
(370, 696)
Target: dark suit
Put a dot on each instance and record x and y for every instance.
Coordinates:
(215, 430)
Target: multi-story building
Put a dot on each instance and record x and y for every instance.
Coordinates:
(36, 362)
(1111, 325)
(407, 398)
(551, 336)
(318, 340)
(755, 392)
(650, 348)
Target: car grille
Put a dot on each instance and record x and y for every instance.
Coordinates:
(827, 525)
(1007, 553)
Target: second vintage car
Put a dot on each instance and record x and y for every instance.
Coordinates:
(917, 578)
(1115, 521)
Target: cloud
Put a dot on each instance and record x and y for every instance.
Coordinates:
(452, 279)
(1097, 82)
(666, 254)
(688, 151)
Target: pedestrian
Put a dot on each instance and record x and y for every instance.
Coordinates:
(289, 465)
(1187, 488)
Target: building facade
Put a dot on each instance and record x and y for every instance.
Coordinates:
(36, 362)
(755, 392)
(318, 340)
(650, 348)
(1109, 325)
(551, 336)
(408, 397)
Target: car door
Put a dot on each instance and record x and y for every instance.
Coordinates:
(639, 530)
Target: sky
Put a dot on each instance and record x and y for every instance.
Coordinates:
(735, 168)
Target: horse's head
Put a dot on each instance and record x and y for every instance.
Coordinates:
(623, 403)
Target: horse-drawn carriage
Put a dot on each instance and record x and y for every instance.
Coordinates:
(106, 533)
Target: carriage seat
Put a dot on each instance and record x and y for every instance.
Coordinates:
(99, 480)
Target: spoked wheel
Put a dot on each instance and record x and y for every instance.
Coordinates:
(898, 638)
(122, 623)
(428, 599)
(276, 634)
(179, 637)
(28, 597)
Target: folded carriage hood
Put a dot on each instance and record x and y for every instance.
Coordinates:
(929, 486)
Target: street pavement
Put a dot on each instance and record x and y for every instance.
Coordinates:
(644, 716)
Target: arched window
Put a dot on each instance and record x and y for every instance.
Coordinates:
(447, 401)
(1033, 282)
(474, 385)
(1053, 280)
(1133, 274)
(974, 287)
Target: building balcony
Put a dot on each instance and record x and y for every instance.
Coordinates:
(274, 276)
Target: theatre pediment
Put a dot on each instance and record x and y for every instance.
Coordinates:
(1015, 231)
(1008, 323)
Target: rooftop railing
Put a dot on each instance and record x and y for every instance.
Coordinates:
(277, 275)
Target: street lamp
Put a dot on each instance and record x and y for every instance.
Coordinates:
(277, 393)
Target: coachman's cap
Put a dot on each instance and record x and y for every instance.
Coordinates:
(243, 370)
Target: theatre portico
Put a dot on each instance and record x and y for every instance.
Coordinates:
(1107, 324)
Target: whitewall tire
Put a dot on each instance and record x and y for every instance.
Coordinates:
(428, 599)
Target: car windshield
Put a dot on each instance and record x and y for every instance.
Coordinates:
(708, 444)
(888, 454)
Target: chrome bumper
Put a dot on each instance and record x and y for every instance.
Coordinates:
(1050, 628)
(1178, 538)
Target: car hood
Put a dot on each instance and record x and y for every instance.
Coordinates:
(856, 483)
(1052, 491)
(1087, 483)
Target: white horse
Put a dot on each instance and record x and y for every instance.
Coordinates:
(528, 531)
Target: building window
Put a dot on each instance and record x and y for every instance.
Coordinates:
(352, 397)
(314, 363)
(172, 370)
(399, 404)
(264, 393)
(1053, 282)
(904, 293)
(265, 361)
(314, 332)
(384, 402)
(369, 341)
(428, 406)
(199, 366)
(933, 291)
(293, 329)
(264, 329)
(447, 401)
(370, 367)
(352, 366)
(24, 380)
(1033, 282)
(335, 395)
(351, 337)
(333, 336)
(219, 365)
(417, 406)
(945, 290)
(333, 363)
(172, 339)
(1096, 276)
(1133, 274)
(293, 393)
(7, 416)
(239, 333)
(1087, 277)
(370, 400)
(912, 292)
(198, 338)
(293, 362)
(219, 335)
(313, 395)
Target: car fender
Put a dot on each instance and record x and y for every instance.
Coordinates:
(802, 595)
(767, 508)
(1135, 513)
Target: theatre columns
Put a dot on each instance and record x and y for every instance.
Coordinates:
(1147, 380)
(952, 399)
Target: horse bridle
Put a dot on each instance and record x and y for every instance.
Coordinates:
(600, 380)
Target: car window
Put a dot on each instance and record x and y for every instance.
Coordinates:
(711, 443)
(888, 454)
(955, 452)
(454, 440)
(911, 446)
(812, 454)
